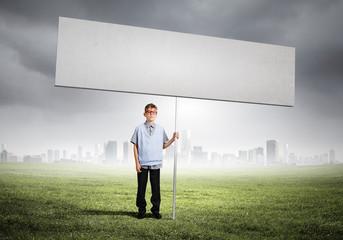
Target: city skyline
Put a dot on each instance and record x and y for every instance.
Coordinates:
(267, 154)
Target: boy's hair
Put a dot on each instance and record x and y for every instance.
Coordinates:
(150, 105)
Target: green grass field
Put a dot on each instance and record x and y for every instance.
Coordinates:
(82, 201)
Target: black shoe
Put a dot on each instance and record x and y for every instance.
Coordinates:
(157, 215)
(140, 215)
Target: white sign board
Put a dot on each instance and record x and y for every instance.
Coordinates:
(123, 58)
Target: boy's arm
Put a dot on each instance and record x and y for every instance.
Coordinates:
(135, 153)
(167, 144)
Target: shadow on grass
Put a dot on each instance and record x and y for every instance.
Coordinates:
(116, 213)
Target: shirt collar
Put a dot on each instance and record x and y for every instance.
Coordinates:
(148, 125)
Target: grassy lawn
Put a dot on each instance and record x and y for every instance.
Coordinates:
(83, 201)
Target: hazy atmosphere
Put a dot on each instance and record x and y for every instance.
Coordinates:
(36, 115)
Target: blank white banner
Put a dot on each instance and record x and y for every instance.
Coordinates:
(123, 58)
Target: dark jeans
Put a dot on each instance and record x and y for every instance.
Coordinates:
(155, 189)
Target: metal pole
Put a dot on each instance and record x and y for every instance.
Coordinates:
(175, 160)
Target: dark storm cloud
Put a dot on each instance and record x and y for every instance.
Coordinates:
(30, 29)
(39, 12)
(35, 48)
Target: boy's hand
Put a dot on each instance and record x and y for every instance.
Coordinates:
(176, 135)
(167, 144)
(138, 168)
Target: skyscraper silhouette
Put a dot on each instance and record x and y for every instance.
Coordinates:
(272, 152)
(110, 152)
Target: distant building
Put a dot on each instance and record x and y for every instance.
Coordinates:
(198, 156)
(216, 158)
(229, 159)
(57, 155)
(126, 152)
(98, 153)
(65, 154)
(4, 156)
(3, 147)
(255, 156)
(13, 158)
(32, 158)
(316, 159)
(79, 153)
(186, 146)
(259, 155)
(44, 157)
(73, 157)
(88, 157)
(243, 156)
(67, 160)
(273, 152)
(332, 156)
(251, 156)
(50, 155)
(110, 149)
(324, 158)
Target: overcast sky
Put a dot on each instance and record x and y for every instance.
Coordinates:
(36, 116)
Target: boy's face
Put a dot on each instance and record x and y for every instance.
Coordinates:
(150, 114)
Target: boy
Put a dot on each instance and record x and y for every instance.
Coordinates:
(149, 140)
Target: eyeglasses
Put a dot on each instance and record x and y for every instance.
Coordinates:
(151, 112)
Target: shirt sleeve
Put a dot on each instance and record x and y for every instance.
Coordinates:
(165, 137)
(134, 138)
